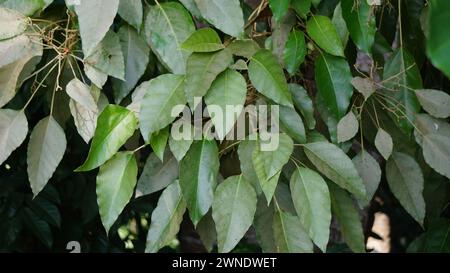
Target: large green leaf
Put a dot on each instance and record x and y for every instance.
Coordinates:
(340, 25)
(289, 235)
(435, 102)
(361, 24)
(279, 8)
(224, 15)
(400, 76)
(292, 124)
(336, 165)
(115, 126)
(136, 54)
(405, 180)
(115, 185)
(12, 23)
(294, 51)
(95, 17)
(233, 210)
(303, 102)
(312, 203)
(192, 7)
(348, 218)
(333, 79)
(167, 26)
(436, 151)
(438, 35)
(13, 131)
(161, 96)
(158, 142)
(26, 7)
(202, 70)
(12, 50)
(181, 138)
(370, 172)
(198, 177)
(263, 224)
(203, 40)
(206, 229)
(268, 78)
(245, 153)
(322, 31)
(225, 100)
(157, 174)
(166, 218)
(132, 12)
(45, 151)
(107, 57)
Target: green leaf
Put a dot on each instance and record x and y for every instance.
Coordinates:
(115, 126)
(301, 7)
(45, 151)
(161, 96)
(233, 210)
(239, 65)
(192, 7)
(333, 79)
(348, 218)
(245, 153)
(347, 127)
(225, 100)
(107, 56)
(95, 17)
(115, 185)
(426, 124)
(438, 39)
(435, 102)
(360, 23)
(13, 131)
(132, 12)
(11, 50)
(226, 16)
(166, 27)
(136, 54)
(303, 102)
(295, 51)
(181, 140)
(312, 203)
(289, 235)
(166, 219)
(244, 48)
(158, 141)
(157, 174)
(436, 151)
(405, 180)
(365, 86)
(400, 76)
(83, 107)
(370, 172)
(198, 177)
(203, 40)
(279, 8)
(340, 25)
(292, 124)
(280, 34)
(384, 144)
(206, 229)
(12, 23)
(336, 165)
(268, 78)
(435, 239)
(202, 70)
(26, 7)
(263, 224)
(39, 227)
(322, 31)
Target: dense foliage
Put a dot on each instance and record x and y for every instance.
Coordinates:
(90, 151)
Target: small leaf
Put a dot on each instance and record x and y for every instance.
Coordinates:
(335, 164)
(245, 153)
(162, 94)
(157, 174)
(292, 124)
(303, 102)
(312, 203)
(279, 8)
(181, 140)
(233, 210)
(115, 185)
(13, 131)
(226, 16)
(45, 151)
(384, 144)
(206, 229)
(166, 219)
(322, 31)
(203, 40)
(132, 12)
(225, 100)
(244, 48)
(115, 126)
(268, 78)
(435, 102)
(158, 141)
(370, 172)
(12, 23)
(340, 25)
(365, 86)
(198, 177)
(405, 180)
(347, 127)
(348, 218)
(295, 51)
(95, 17)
